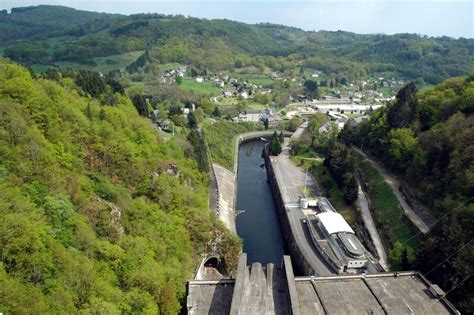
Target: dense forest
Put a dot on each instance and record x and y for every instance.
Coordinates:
(425, 137)
(98, 214)
(79, 36)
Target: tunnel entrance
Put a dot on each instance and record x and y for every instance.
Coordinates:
(212, 262)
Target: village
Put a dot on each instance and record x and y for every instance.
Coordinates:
(276, 97)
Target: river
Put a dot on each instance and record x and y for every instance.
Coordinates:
(258, 226)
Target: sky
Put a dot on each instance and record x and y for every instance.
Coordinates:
(426, 17)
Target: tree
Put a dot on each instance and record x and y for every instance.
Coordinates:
(192, 121)
(350, 190)
(174, 110)
(275, 145)
(102, 115)
(216, 112)
(179, 80)
(311, 88)
(294, 123)
(403, 112)
(198, 141)
(89, 111)
(341, 166)
(141, 105)
(265, 123)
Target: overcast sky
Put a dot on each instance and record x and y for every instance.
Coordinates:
(434, 18)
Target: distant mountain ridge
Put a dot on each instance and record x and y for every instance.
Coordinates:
(81, 36)
(43, 20)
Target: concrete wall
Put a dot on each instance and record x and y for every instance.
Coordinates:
(300, 264)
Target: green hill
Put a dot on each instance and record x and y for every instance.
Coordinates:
(97, 212)
(45, 20)
(80, 37)
(425, 137)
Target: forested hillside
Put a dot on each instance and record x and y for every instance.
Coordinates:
(223, 44)
(97, 213)
(426, 138)
(45, 21)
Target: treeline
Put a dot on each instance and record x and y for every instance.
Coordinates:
(98, 213)
(224, 44)
(340, 163)
(425, 137)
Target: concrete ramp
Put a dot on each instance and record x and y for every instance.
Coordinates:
(225, 180)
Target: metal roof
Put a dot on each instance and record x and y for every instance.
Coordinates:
(333, 222)
(352, 245)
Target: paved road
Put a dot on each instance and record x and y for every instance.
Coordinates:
(370, 225)
(291, 180)
(393, 182)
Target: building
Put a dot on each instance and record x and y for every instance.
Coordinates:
(274, 289)
(335, 240)
(199, 79)
(154, 115)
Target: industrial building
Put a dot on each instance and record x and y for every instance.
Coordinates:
(334, 239)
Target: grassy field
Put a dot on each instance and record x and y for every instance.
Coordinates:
(232, 101)
(220, 139)
(308, 72)
(258, 79)
(388, 216)
(104, 64)
(204, 88)
(169, 66)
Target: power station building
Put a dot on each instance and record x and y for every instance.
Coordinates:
(335, 240)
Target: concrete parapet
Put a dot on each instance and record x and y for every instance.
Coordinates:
(290, 282)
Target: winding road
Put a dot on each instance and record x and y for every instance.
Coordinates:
(393, 182)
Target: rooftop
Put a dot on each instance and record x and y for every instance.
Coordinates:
(333, 222)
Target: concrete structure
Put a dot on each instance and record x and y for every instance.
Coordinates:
(287, 182)
(275, 290)
(346, 107)
(369, 224)
(225, 195)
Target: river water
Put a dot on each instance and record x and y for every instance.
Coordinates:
(258, 226)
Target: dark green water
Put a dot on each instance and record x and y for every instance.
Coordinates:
(258, 226)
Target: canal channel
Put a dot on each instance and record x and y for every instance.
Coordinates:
(258, 225)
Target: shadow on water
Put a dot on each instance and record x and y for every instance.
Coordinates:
(258, 226)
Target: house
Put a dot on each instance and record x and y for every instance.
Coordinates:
(265, 91)
(244, 95)
(154, 115)
(227, 93)
(185, 110)
(199, 79)
(325, 128)
(164, 125)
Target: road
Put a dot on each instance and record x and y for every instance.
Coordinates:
(291, 181)
(370, 225)
(393, 182)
